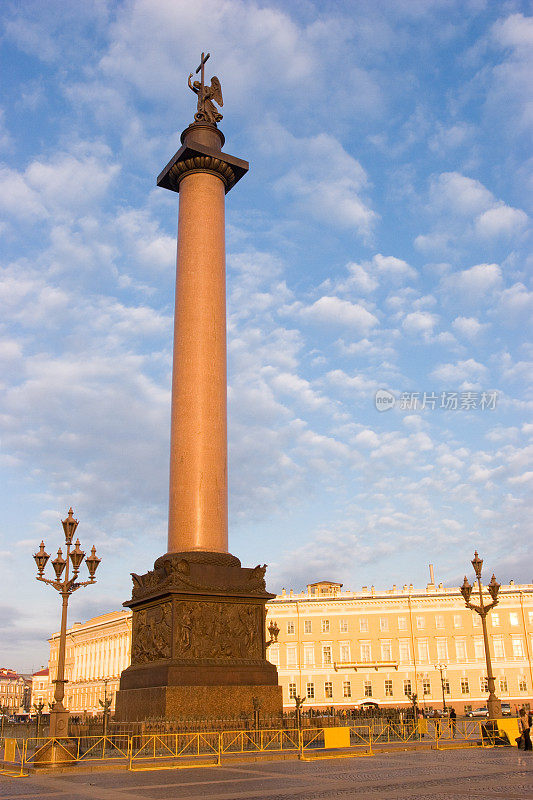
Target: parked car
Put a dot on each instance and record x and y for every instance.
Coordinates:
(506, 709)
(482, 711)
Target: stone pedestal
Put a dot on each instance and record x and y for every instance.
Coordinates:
(198, 641)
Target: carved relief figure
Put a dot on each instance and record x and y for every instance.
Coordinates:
(218, 630)
(151, 635)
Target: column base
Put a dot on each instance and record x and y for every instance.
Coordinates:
(59, 723)
(196, 702)
(198, 642)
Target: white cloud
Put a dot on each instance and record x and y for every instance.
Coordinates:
(338, 312)
(461, 372)
(459, 194)
(515, 302)
(463, 208)
(54, 186)
(511, 79)
(328, 184)
(392, 267)
(475, 282)
(420, 323)
(468, 327)
(501, 220)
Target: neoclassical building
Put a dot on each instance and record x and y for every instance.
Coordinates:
(342, 648)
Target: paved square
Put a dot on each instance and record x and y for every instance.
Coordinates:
(502, 774)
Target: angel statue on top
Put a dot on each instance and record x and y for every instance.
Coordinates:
(207, 111)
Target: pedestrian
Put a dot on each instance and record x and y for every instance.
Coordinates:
(453, 721)
(524, 728)
(436, 717)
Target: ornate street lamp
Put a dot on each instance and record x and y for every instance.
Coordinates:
(273, 630)
(493, 703)
(58, 713)
(442, 668)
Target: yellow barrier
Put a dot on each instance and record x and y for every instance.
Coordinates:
(151, 749)
(181, 750)
(66, 750)
(509, 728)
(14, 755)
(336, 738)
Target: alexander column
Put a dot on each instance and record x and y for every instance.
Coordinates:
(198, 633)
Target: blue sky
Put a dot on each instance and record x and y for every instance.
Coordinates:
(381, 240)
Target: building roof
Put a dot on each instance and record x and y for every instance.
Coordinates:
(325, 583)
(41, 672)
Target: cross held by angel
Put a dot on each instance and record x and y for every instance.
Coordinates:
(206, 109)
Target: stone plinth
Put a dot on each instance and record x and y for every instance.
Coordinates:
(198, 641)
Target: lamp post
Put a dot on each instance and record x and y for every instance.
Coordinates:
(39, 709)
(58, 713)
(106, 707)
(493, 703)
(441, 668)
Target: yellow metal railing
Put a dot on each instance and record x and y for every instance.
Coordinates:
(13, 759)
(181, 750)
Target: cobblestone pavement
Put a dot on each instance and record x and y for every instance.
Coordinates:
(448, 775)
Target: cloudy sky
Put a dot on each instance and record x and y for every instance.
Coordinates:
(381, 241)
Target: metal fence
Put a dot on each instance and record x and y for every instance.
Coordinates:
(142, 751)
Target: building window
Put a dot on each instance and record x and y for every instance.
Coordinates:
(328, 690)
(325, 626)
(326, 654)
(405, 652)
(426, 686)
(457, 621)
(439, 621)
(343, 625)
(530, 617)
(308, 628)
(386, 651)
(522, 684)
(291, 655)
(476, 621)
(499, 647)
(513, 618)
(383, 624)
(363, 624)
(465, 688)
(518, 646)
(345, 652)
(273, 655)
(420, 623)
(388, 688)
(460, 649)
(290, 627)
(503, 684)
(310, 690)
(495, 617)
(446, 683)
(402, 623)
(292, 691)
(368, 688)
(309, 654)
(407, 688)
(484, 684)
(366, 651)
(479, 649)
(423, 651)
(442, 649)
(346, 689)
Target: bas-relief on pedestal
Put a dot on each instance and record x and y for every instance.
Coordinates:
(198, 637)
(198, 641)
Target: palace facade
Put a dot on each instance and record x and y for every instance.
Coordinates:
(343, 648)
